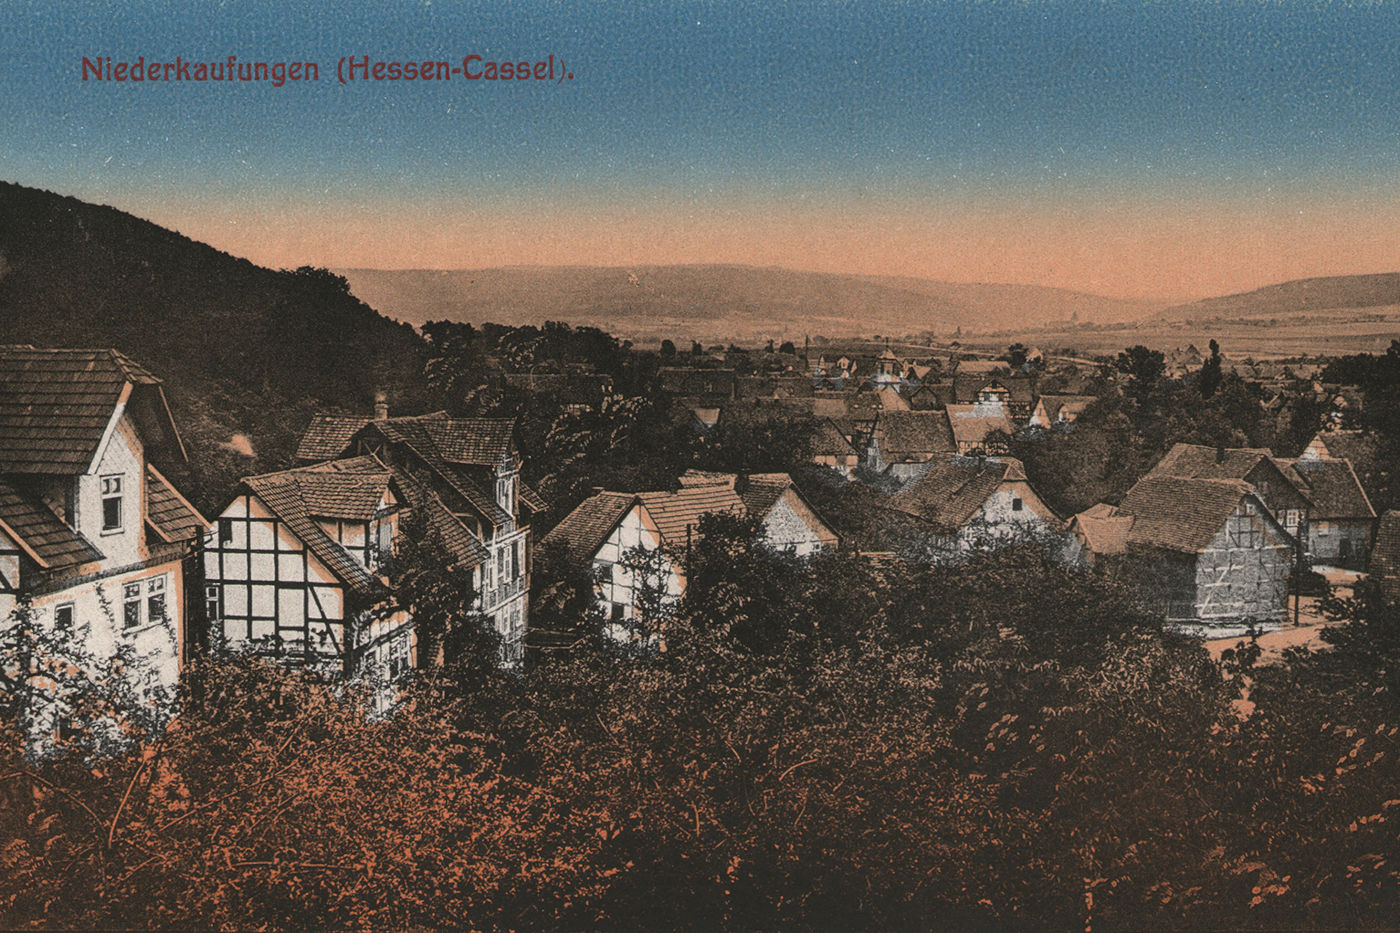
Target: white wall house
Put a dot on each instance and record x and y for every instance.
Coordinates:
(92, 535)
(293, 569)
(465, 474)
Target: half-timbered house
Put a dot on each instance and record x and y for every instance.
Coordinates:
(93, 537)
(293, 569)
(1211, 550)
(472, 467)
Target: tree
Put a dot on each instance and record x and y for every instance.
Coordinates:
(788, 348)
(1143, 366)
(668, 350)
(1208, 380)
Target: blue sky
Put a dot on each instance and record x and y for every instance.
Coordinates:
(1073, 144)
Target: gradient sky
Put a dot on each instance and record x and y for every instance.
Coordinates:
(1168, 150)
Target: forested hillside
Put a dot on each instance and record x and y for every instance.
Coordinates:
(242, 349)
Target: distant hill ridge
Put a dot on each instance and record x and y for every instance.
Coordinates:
(724, 301)
(1323, 293)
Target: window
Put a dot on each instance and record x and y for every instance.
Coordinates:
(1290, 518)
(131, 606)
(225, 531)
(63, 618)
(211, 601)
(155, 600)
(1016, 504)
(111, 504)
(398, 658)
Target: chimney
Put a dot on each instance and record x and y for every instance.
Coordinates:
(381, 406)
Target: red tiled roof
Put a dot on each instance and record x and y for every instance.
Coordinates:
(328, 436)
(914, 435)
(677, 514)
(1181, 513)
(1333, 489)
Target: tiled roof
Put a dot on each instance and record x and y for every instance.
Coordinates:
(675, 512)
(828, 441)
(583, 531)
(1103, 530)
(1179, 513)
(762, 491)
(327, 436)
(172, 516)
(40, 532)
(1333, 489)
(285, 496)
(1385, 556)
(913, 435)
(687, 381)
(1197, 461)
(459, 541)
(531, 499)
(972, 430)
(55, 406)
(472, 441)
(347, 489)
(954, 488)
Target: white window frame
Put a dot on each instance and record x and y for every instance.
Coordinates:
(112, 490)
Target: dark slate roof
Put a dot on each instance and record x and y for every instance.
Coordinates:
(1182, 514)
(286, 496)
(41, 533)
(583, 531)
(1385, 556)
(328, 436)
(954, 488)
(168, 512)
(1333, 489)
(55, 406)
(675, 512)
(914, 435)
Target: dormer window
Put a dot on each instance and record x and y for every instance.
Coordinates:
(111, 504)
(505, 493)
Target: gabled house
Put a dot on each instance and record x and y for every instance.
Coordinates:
(92, 534)
(1341, 519)
(902, 443)
(1053, 411)
(1212, 550)
(637, 543)
(472, 467)
(1372, 468)
(977, 428)
(831, 449)
(294, 568)
(1273, 481)
(968, 504)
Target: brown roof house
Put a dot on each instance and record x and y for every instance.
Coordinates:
(1341, 520)
(1274, 481)
(903, 443)
(294, 569)
(637, 542)
(967, 504)
(472, 467)
(1215, 555)
(92, 535)
(1058, 411)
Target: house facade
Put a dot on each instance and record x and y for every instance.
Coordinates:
(1208, 550)
(93, 537)
(637, 543)
(969, 504)
(468, 470)
(294, 569)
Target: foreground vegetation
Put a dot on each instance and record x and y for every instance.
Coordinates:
(822, 745)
